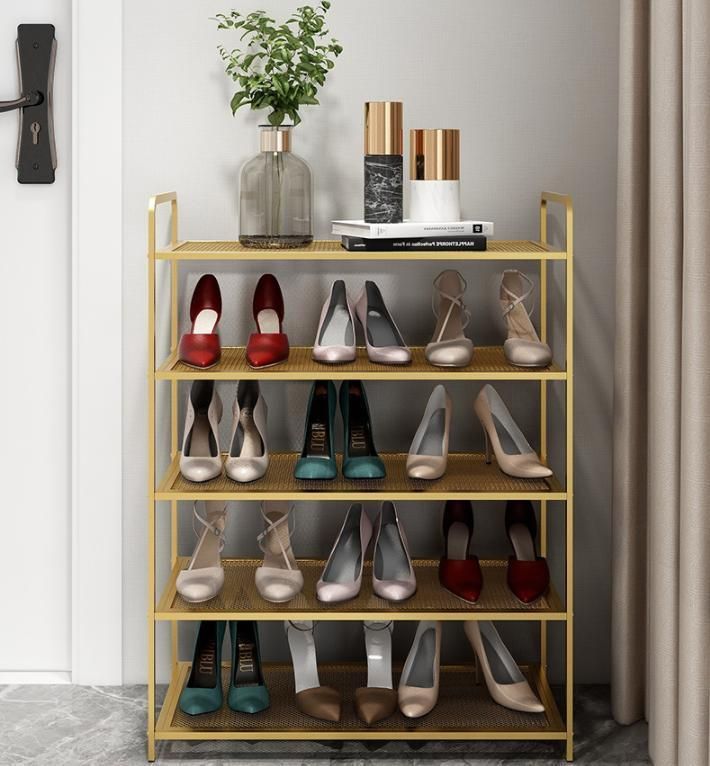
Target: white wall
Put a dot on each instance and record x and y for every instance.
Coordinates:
(533, 88)
(35, 314)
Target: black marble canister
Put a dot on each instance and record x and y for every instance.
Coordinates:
(383, 190)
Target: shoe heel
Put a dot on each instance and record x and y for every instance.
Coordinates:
(488, 447)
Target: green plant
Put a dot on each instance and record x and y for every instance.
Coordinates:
(280, 66)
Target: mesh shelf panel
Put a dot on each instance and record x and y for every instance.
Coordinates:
(463, 706)
(488, 361)
(239, 594)
(467, 472)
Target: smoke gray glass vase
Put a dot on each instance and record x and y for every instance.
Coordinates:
(275, 194)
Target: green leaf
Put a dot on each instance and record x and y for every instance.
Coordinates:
(276, 117)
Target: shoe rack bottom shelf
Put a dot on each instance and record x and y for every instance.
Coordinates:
(465, 711)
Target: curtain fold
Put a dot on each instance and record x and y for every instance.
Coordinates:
(661, 544)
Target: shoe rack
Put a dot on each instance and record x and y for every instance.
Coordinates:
(465, 710)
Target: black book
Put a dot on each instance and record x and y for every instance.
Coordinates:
(439, 244)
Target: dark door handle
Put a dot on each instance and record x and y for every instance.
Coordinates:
(29, 99)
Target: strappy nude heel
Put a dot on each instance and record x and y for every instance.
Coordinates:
(204, 577)
(278, 579)
(523, 346)
(449, 347)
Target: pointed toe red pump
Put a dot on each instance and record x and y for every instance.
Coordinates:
(528, 574)
(459, 571)
(201, 347)
(269, 344)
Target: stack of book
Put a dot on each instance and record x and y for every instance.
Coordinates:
(411, 235)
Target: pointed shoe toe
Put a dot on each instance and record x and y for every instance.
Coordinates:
(315, 468)
(425, 467)
(528, 580)
(267, 349)
(415, 703)
(199, 701)
(335, 592)
(520, 697)
(374, 704)
(462, 577)
(249, 699)
(364, 468)
(201, 351)
(394, 590)
(320, 702)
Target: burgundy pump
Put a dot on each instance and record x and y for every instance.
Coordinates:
(459, 571)
(269, 344)
(528, 575)
(200, 347)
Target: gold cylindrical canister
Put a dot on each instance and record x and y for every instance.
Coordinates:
(434, 154)
(383, 127)
(277, 139)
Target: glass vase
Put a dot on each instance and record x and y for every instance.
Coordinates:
(275, 194)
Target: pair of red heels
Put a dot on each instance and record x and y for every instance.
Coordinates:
(460, 572)
(266, 347)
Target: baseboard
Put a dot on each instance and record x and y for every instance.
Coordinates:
(15, 677)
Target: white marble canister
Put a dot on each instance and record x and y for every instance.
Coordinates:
(434, 168)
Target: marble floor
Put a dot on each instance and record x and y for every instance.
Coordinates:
(78, 726)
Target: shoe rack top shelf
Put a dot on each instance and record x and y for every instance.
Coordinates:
(465, 711)
(240, 600)
(467, 477)
(489, 363)
(331, 250)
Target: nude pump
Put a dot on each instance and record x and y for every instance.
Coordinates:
(513, 453)
(248, 456)
(429, 452)
(418, 690)
(200, 459)
(504, 679)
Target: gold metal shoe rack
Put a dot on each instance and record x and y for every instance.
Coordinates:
(464, 711)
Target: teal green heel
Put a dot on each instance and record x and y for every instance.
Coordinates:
(247, 690)
(203, 691)
(317, 459)
(360, 458)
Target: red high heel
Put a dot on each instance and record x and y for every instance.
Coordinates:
(528, 575)
(269, 345)
(201, 347)
(459, 571)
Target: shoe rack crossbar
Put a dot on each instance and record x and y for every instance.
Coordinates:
(464, 711)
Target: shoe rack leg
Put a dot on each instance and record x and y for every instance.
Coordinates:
(569, 481)
(151, 507)
(543, 430)
(174, 520)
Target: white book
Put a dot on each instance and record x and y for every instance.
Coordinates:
(411, 229)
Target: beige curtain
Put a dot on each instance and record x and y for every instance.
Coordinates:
(661, 546)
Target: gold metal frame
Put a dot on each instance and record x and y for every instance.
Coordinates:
(490, 365)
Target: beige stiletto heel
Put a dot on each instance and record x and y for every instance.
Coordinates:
(513, 453)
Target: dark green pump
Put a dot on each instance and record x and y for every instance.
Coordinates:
(317, 459)
(360, 458)
(203, 691)
(247, 690)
